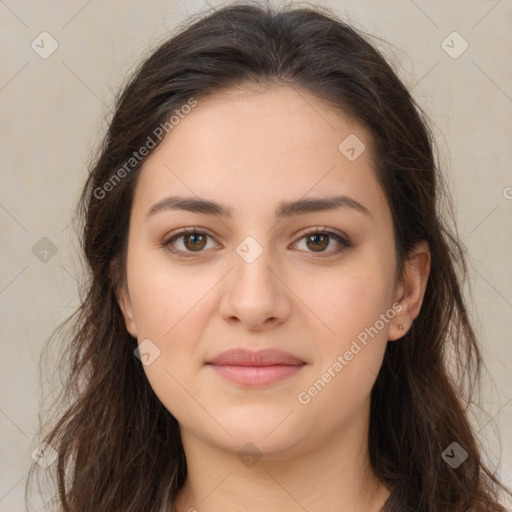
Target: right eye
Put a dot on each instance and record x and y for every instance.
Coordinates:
(193, 242)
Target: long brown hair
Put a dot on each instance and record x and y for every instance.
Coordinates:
(118, 448)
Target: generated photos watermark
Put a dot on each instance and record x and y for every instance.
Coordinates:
(305, 397)
(137, 156)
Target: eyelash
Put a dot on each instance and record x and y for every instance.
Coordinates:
(344, 242)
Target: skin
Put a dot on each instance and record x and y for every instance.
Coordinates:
(250, 149)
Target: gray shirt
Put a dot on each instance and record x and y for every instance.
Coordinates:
(390, 502)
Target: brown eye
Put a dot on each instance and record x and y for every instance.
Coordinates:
(194, 241)
(191, 241)
(317, 242)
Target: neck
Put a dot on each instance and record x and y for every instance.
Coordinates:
(329, 474)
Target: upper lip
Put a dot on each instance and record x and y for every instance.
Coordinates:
(244, 357)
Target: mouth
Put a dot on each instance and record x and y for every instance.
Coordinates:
(257, 375)
(262, 368)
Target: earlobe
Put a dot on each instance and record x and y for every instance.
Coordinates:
(411, 291)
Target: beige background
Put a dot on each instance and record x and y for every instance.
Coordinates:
(53, 112)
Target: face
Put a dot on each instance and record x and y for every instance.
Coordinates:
(261, 277)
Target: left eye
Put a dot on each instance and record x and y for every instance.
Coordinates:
(319, 239)
(194, 241)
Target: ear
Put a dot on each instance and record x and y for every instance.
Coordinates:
(123, 296)
(411, 290)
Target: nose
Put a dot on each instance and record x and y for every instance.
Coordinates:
(255, 295)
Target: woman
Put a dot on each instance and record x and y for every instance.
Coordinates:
(274, 292)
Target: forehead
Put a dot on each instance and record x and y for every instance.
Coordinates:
(251, 148)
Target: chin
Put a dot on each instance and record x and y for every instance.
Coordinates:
(268, 435)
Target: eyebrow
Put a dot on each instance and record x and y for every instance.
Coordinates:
(284, 208)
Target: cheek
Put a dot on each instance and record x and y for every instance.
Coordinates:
(349, 358)
(353, 296)
(355, 308)
(164, 296)
(171, 304)
(170, 307)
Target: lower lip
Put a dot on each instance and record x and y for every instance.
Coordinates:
(257, 375)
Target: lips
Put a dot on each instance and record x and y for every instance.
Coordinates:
(266, 357)
(256, 369)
